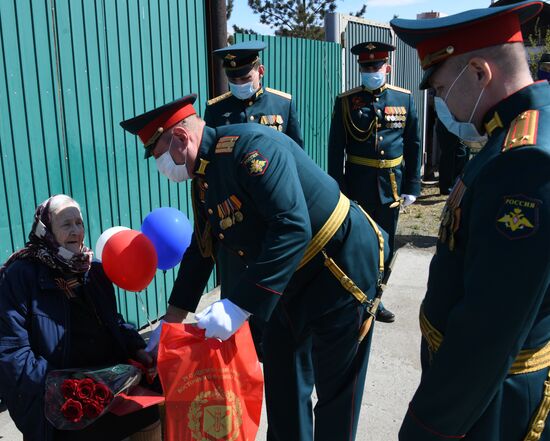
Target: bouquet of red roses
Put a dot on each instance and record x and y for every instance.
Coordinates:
(75, 398)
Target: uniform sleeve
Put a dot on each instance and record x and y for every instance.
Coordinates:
(337, 145)
(193, 275)
(275, 189)
(22, 372)
(412, 153)
(506, 278)
(293, 127)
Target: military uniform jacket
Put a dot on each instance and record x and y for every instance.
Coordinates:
(378, 125)
(268, 107)
(488, 295)
(261, 198)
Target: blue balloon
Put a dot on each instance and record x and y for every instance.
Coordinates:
(170, 231)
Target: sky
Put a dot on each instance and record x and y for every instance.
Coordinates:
(377, 10)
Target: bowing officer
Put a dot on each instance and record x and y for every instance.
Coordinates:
(247, 100)
(485, 319)
(258, 195)
(374, 150)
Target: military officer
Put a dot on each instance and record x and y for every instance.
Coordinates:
(248, 100)
(485, 317)
(374, 150)
(266, 201)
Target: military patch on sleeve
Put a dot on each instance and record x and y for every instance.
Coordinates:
(226, 144)
(518, 217)
(255, 163)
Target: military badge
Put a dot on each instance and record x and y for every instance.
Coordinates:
(215, 415)
(226, 144)
(255, 163)
(229, 212)
(450, 217)
(518, 217)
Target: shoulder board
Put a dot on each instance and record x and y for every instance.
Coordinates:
(226, 144)
(351, 91)
(399, 89)
(523, 130)
(219, 98)
(288, 96)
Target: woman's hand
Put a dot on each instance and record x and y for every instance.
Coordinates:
(147, 361)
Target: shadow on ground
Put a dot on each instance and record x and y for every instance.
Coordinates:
(416, 241)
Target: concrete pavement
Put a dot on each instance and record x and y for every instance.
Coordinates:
(394, 369)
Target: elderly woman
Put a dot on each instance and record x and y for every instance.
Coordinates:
(58, 311)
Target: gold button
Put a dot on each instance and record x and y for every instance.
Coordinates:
(210, 211)
(381, 138)
(382, 152)
(250, 103)
(240, 253)
(206, 185)
(251, 117)
(376, 99)
(221, 236)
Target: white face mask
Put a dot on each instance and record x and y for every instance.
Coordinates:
(167, 166)
(466, 131)
(242, 91)
(373, 80)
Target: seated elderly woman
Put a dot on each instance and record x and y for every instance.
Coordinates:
(58, 311)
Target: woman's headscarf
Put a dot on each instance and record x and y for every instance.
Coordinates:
(43, 246)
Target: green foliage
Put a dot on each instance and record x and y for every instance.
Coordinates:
(296, 18)
(539, 38)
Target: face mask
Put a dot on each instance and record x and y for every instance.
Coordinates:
(242, 91)
(167, 166)
(466, 131)
(373, 80)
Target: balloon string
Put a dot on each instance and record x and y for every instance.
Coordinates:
(144, 309)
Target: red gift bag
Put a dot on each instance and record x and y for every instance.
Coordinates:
(213, 389)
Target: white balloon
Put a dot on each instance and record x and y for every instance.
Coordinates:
(105, 236)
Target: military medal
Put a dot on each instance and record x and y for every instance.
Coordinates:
(236, 205)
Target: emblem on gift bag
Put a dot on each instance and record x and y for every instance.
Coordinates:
(215, 415)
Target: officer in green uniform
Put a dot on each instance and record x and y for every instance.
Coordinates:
(247, 100)
(485, 318)
(263, 199)
(374, 150)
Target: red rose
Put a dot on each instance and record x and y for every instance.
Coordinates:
(102, 394)
(72, 410)
(92, 409)
(69, 388)
(86, 389)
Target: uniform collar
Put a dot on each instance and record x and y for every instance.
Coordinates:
(533, 96)
(376, 92)
(206, 148)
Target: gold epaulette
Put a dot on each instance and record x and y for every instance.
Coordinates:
(351, 91)
(288, 96)
(219, 98)
(523, 130)
(399, 89)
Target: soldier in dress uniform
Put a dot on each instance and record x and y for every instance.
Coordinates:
(485, 319)
(248, 100)
(374, 150)
(313, 260)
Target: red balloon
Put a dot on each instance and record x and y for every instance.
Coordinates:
(130, 260)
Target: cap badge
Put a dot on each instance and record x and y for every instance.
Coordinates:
(370, 46)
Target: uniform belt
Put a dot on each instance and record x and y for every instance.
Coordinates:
(328, 230)
(375, 163)
(528, 360)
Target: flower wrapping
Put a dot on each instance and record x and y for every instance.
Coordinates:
(75, 398)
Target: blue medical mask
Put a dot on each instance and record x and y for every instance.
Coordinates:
(242, 91)
(466, 131)
(373, 80)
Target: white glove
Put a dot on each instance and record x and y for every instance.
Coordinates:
(408, 199)
(153, 343)
(221, 319)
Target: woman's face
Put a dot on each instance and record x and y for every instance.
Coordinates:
(68, 227)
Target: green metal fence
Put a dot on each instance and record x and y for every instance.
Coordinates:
(70, 70)
(310, 70)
